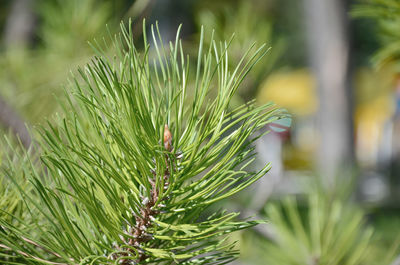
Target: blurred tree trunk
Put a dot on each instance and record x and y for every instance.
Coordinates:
(327, 29)
(18, 33)
(20, 24)
(10, 120)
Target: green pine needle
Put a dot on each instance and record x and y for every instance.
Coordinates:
(140, 153)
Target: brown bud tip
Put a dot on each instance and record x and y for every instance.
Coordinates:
(167, 138)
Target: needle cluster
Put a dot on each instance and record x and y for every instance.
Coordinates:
(138, 155)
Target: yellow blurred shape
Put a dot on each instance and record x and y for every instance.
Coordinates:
(374, 95)
(371, 84)
(294, 91)
(375, 112)
(374, 108)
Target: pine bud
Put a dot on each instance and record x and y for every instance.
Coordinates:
(167, 138)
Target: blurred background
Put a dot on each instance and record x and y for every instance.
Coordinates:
(333, 194)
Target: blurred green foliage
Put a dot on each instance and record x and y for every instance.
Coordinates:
(320, 230)
(32, 77)
(386, 13)
(247, 23)
(12, 206)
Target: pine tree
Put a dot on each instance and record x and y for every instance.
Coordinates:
(139, 153)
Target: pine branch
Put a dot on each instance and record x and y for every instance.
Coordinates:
(138, 156)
